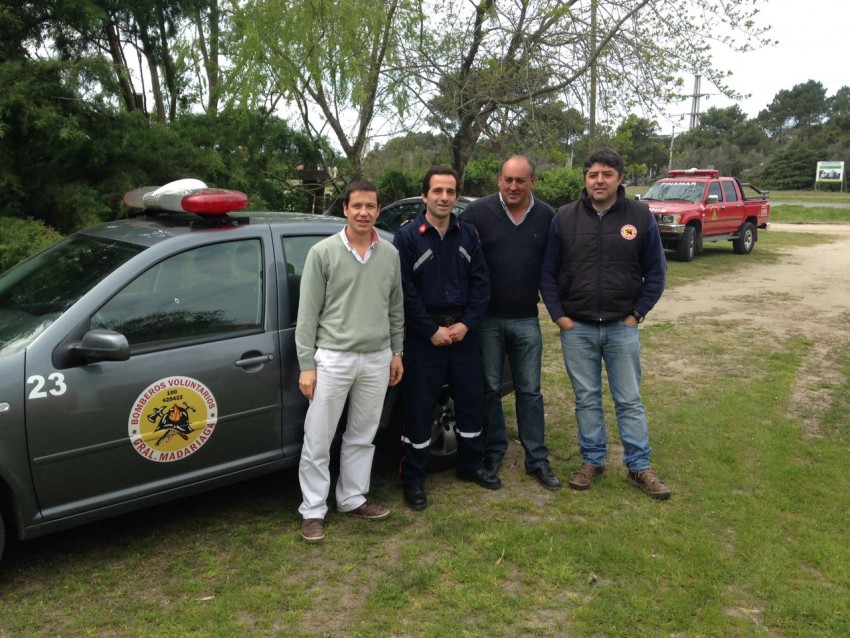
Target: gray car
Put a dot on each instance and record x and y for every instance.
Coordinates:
(151, 358)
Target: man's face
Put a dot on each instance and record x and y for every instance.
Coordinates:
(601, 183)
(516, 182)
(441, 196)
(361, 211)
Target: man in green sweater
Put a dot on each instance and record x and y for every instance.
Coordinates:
(349, 338)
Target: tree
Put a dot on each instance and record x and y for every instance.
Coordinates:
(799, 109)
(642, 149)
(488, 56)
(327, 59)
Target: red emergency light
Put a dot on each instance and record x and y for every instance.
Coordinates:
(693, 172)
(187, 196)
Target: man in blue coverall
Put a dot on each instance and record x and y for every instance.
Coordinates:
(446, 293)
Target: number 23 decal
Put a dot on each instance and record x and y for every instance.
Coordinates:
(55, 381)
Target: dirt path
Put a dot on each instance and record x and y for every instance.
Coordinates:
(807, 293)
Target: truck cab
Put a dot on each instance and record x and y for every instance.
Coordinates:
(697, 205)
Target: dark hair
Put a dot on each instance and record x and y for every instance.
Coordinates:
(359, 185)
(438, 170)
(519, 156)
(605, 156)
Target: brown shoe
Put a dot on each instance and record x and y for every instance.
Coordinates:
(585, 476)
(313, 529)
(370, 510)
(648, 481)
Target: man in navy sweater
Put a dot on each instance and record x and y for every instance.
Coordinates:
(603, 271)
(514, 226)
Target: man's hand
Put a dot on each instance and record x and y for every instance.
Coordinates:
(307, 383)
(631, 321)
(442, 337)
(565, 323)
(457, 331)
(396, 370)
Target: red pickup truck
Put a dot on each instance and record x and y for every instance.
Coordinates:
(696, 205)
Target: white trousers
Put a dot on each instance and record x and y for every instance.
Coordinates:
(363, 379)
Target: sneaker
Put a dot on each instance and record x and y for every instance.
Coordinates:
(585, 476)
(313, 529)
(648, 481)
(369, 510)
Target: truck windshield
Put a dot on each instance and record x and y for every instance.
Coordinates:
(679, 191)
(37, 291)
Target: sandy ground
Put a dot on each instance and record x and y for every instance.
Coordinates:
(807, 293)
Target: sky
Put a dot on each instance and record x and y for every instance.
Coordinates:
(812, 45)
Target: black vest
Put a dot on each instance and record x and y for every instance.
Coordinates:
(600, 275)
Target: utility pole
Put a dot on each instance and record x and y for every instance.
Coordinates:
(694, 122)
(591, 128)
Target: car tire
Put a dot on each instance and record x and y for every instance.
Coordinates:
(743, 244)
(687, 246)
(443, 434)
(2, 535)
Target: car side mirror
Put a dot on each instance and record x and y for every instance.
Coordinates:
(712, 199)
(103, 345)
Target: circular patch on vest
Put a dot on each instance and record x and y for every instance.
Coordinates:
(628, 232)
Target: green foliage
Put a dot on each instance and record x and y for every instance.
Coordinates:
(20, 238)
(396, 184)
(482, 176)
(790, 169)
(559, 186)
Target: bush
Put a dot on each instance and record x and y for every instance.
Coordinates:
(394, 184)
(559, 186)
(20, 238)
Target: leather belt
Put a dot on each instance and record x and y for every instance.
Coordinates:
(445, 321)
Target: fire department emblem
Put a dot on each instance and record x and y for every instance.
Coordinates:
(172, 418)
(628, 232)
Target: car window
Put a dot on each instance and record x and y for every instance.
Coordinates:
(731, 193)
(392, 217)
(211, 290)
(714, 189)
(295, 251)
(36, 292)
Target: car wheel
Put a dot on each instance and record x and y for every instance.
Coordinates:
(443, 434)
(743, 245)
(2, 535)
(686, 248)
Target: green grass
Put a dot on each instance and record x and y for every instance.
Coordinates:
(752, 543)
(795, 214)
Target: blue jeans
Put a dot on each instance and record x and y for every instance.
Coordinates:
(585, 347)
(521, 342)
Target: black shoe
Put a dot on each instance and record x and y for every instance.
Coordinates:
(492, 464)
(482, 477)
(414, 496)
(546, 477)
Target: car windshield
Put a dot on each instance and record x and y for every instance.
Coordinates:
(678, 191)
(35, 292)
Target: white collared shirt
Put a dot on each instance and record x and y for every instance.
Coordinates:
(508, 212)
(375, 239)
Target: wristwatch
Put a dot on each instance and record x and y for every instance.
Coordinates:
(398, 354)
(638, 317)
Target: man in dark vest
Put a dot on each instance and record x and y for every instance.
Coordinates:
(603, 271)
(514, 227)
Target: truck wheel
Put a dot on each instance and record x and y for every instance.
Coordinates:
(686, 248)
(743, 245)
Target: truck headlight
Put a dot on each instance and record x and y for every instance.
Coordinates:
(668, 219)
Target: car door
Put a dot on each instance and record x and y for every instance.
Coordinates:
(199, 397)
(731, 208)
